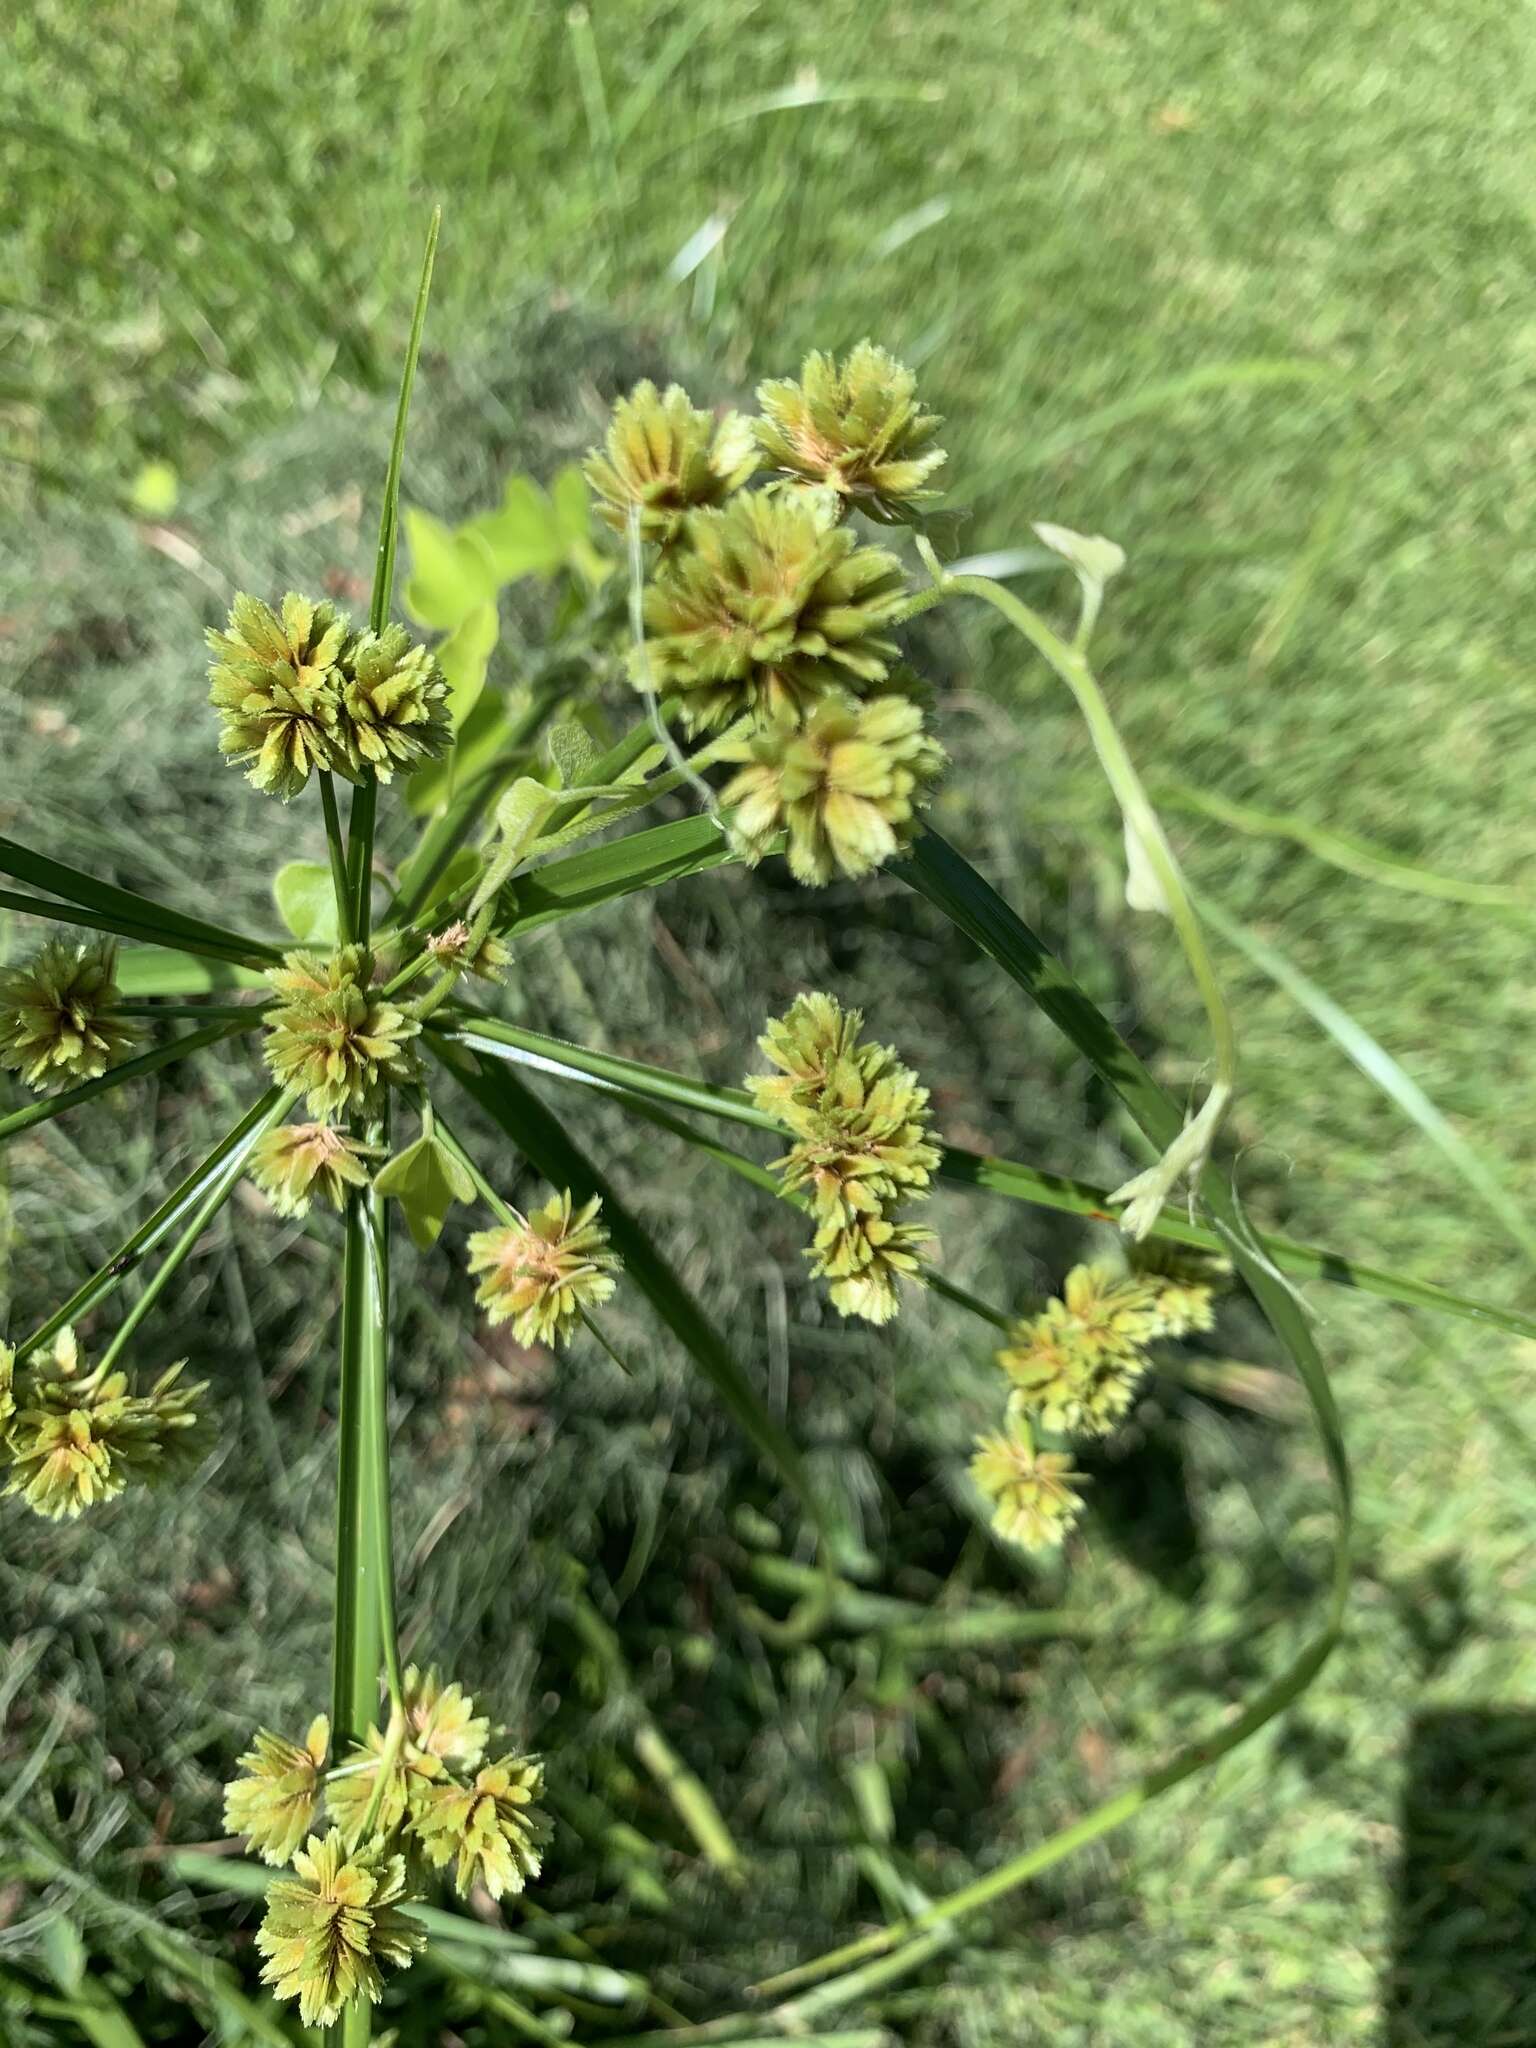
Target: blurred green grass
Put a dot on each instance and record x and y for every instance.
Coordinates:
(1053, 212)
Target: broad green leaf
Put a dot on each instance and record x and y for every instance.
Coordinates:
(426, 1180)
(522, 537)
(452, 574)
(553, 1153)
(491, 728)
(641, 860)
(162, 971)
(464, 658)
(306, 901)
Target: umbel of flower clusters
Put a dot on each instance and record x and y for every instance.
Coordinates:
(299, 692)
(420, 1794)
(541, 1275)
(334, 1036)
(663, 458)
(1076, 1366)
(58, 1014)
(846, 786)
(764, 606)
(1035, 1494)
(855, 426)
(862, 1149)
(73, 1438)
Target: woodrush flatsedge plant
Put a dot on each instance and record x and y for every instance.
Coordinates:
(747, 603)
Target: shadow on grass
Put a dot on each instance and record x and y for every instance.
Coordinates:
(1464, 1962)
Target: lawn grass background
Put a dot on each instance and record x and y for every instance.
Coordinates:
(1052, 212)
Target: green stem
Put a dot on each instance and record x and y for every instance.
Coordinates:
(203, 1215)
(49, 1106)
(247, 1015)
(338, 857)
(232, 1150)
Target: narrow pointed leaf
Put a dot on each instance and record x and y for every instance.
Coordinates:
(163, 971)
(640, 860)
(150, 920)
(47, 1107)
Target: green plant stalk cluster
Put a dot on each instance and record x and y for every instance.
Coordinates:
(758, 625)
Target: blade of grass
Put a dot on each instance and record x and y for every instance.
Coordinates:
(230, 1154)
(554, 1154)
(364, 810)
(1378, 1066)
(364, 1632)
(162, 971)
(149, 919)
(640, 860)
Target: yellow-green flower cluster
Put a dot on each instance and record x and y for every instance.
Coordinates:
(333, 1035)
(542, 1274)
(330, 1926)
(1076, 1366)
(455, 945)
(855, 426)
(664, 459)
(1184, 1282)
(296, 1162)
(764, 611)
(298, 691)
(845, 787)
(58, 1014)
(1035, 1494)
(73, 1438)
(862, 1149)
(420, 1793)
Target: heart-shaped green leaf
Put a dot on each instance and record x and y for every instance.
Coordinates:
(306, 901)
(426, 1180)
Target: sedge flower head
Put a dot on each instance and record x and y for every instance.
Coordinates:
(865, 1260)
(76, 1438)
(806, 1044)
(274, 1802)
(490, 1829)
(763, 607)
(1077, 1365)
(855, 426)
(488, 961)
(846, 786)
(276, 683)
(665, 458)
(443, 1734)
(330, 1926)
(58, 1014)
(394, 701)
(1185, 1282)
(1034, 1494)
(542, 1274)
(334, 1036)
(296, 1162)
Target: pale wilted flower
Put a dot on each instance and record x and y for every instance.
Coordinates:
(330, 1926)
(58, 1014)
(666, 458)
(846, 786)
(1034, 1493)
(541, 1275)
(273, 1803)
